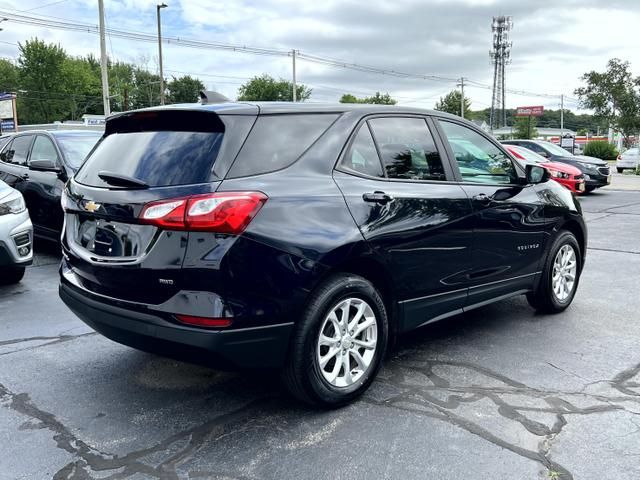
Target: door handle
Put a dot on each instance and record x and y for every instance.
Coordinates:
(482, 198)
(377, 197)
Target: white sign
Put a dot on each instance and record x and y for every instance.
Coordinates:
(6, 108)
(566, 142)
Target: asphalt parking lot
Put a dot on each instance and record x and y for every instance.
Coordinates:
(499, 393)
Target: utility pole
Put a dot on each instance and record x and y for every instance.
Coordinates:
(160, 6)
(561, 117)
(103, 62)
(295, 93)
(462, 97)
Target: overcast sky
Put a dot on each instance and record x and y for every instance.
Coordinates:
(554, 42)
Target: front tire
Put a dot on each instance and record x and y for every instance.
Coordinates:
(560, 276)
(11, 275)
(590, 189)
(620, 170)
(339, 343)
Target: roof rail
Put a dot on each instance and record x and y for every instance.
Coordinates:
(209, 96)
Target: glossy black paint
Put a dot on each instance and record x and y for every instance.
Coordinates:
(596, 171)
(41, 189)
(430, 248)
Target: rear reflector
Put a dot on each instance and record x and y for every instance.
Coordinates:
(204, 321)
(222, 212)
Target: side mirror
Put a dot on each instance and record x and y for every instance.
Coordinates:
(536, 174)
(44, 165)
(544, 154)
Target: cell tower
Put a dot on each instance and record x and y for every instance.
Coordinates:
(500, 57)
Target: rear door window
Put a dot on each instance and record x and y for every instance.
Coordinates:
(362, 156)
(277, 141)
(18, 151)
(163, 148)
(407, 148)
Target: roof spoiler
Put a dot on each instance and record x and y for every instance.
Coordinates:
(209, 96)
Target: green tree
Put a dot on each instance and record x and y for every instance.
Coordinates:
(185, 89)
(8, 76)
(451, 103)
(378, 99)
(525, 127)
(266, 88)
(614, 97)
(42, 76)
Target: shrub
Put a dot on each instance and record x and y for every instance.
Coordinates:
(601, 149)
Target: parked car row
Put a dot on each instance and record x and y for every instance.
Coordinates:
(596, 172)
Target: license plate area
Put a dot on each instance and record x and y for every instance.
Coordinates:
(106, 238)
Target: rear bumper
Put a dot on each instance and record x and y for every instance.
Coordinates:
(256, 347)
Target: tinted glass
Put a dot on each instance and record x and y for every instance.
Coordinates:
(362, 156)
(407, 148)
(555, 149)
(76, 147)
(18, 150)
(43, 149)
(529, 155)
(479, 160)
(277, 141)
(157, 158)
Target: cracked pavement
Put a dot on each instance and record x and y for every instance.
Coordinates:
(497, 393)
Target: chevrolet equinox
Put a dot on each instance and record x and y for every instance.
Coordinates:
(306, 237)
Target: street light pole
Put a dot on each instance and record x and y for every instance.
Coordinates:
(160, 6)
(295, 87)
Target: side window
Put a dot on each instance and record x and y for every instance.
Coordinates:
(478, 159)
(362, 156)
(535, 148)
(277, 141)
(407, 148)
(16, 153)
(43, 149)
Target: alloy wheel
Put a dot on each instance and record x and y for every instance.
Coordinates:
(347, 342)
(565, 268)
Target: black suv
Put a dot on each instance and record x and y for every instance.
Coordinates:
(596, 171)
(38, 163)
(306, 237)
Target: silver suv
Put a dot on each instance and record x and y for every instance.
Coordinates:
(16, 235)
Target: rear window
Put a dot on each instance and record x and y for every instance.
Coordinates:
(161, 148)
(277, 141)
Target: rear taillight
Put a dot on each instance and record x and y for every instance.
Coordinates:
(619, 157)
(222, 212)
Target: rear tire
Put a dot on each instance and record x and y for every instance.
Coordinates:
(620, 170)
(318, 371)
(560, 276)
(11, 275)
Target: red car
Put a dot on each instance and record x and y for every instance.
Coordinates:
(564, 174)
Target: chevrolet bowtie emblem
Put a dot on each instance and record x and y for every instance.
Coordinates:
(91, 206)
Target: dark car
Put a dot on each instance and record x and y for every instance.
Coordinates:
(596, 172)
(38, 164)
(306, 237)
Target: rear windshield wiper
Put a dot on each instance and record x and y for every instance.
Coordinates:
(120, 180)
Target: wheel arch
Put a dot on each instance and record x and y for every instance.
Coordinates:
(376, 273)
(575, 228)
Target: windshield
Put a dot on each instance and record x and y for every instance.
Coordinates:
(528, 154)
(76, 147)
(555, 149)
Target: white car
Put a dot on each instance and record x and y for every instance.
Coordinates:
(16, 235)
(629, 159)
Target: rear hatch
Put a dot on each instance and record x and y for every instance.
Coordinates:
(145, 157)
